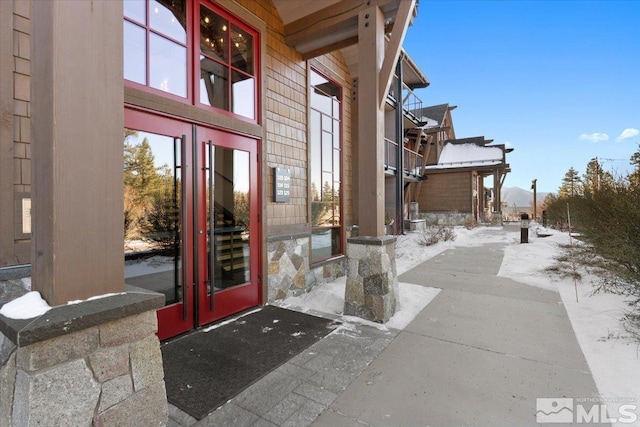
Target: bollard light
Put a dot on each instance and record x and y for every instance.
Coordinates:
(524, 228)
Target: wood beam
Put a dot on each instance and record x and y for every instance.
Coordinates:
(370, 154)
(77, 124)
(330, 48)
(318, 23)
(394, 46)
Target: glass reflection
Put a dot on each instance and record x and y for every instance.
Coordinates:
(214, 87)
(152, 218)
(135, 53)
(214, 39)
(169, 17)
(325, 243)
(228, 219)
(325, 174)
(135, 10)
(243, 88)
(241, 50)
(168, 66)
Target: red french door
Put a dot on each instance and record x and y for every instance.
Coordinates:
(227, 218)
(190, 219)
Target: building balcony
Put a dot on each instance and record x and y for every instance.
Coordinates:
(412, 160)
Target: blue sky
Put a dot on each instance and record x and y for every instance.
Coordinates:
(557, 80)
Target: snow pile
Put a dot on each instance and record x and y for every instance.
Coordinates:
(27, 306)
(613, 358)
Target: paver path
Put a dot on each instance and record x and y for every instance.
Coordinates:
(479, 354)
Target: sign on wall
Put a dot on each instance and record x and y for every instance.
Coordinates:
(281, 185)
(26, 215)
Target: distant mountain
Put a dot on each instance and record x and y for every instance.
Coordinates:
(520, 198)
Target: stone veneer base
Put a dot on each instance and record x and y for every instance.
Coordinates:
(289, 269)
(97, 362)
(372, 280)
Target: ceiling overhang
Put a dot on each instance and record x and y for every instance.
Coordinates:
(317, 27)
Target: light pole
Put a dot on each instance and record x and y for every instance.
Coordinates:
(535, 202)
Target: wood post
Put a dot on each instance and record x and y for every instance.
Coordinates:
(77, 149)
(370, 123)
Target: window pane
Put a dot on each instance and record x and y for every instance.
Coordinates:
(134, 9)
(214, 87)
(135, 53)
(168, 62)
(241, 50)
(327, 123)
(320, 244)
(327, 150)
(327, 187)
(243, 95)
(316, 79)
(169, 17)
(316, 156)
(320, 101)
(325, 243)
(336, 208)
(214, 38)
(336, 246)
(231, 234)
(152, 221)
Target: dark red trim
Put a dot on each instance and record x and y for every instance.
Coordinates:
(192, 45)
(171, 320)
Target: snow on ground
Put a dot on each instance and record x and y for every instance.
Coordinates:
(614, 360)
(144, 266)
(329, 297)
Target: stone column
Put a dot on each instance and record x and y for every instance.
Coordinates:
(93, 363)
(372, 284)
(372, 279)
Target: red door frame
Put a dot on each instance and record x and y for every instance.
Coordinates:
(176, 318)
(241, 297)
(182, 317)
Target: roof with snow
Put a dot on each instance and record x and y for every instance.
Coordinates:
(434, 112)
(468, 155)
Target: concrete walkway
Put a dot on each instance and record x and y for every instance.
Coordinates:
(479, 354)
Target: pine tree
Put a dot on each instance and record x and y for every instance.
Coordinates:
(596, 178)
(571, 185)
(634, 177)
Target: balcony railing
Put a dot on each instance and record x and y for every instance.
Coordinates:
(410, 101)
(412, 159)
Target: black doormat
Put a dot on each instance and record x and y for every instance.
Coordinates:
(204, 370)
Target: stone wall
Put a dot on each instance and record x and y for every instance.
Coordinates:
(448, 218)
(289, 272)
(106, 374)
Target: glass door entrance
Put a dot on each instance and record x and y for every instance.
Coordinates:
(190, 220)
(227, 225)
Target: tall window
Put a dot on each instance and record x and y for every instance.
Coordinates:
(194, 51)
(326, 178)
